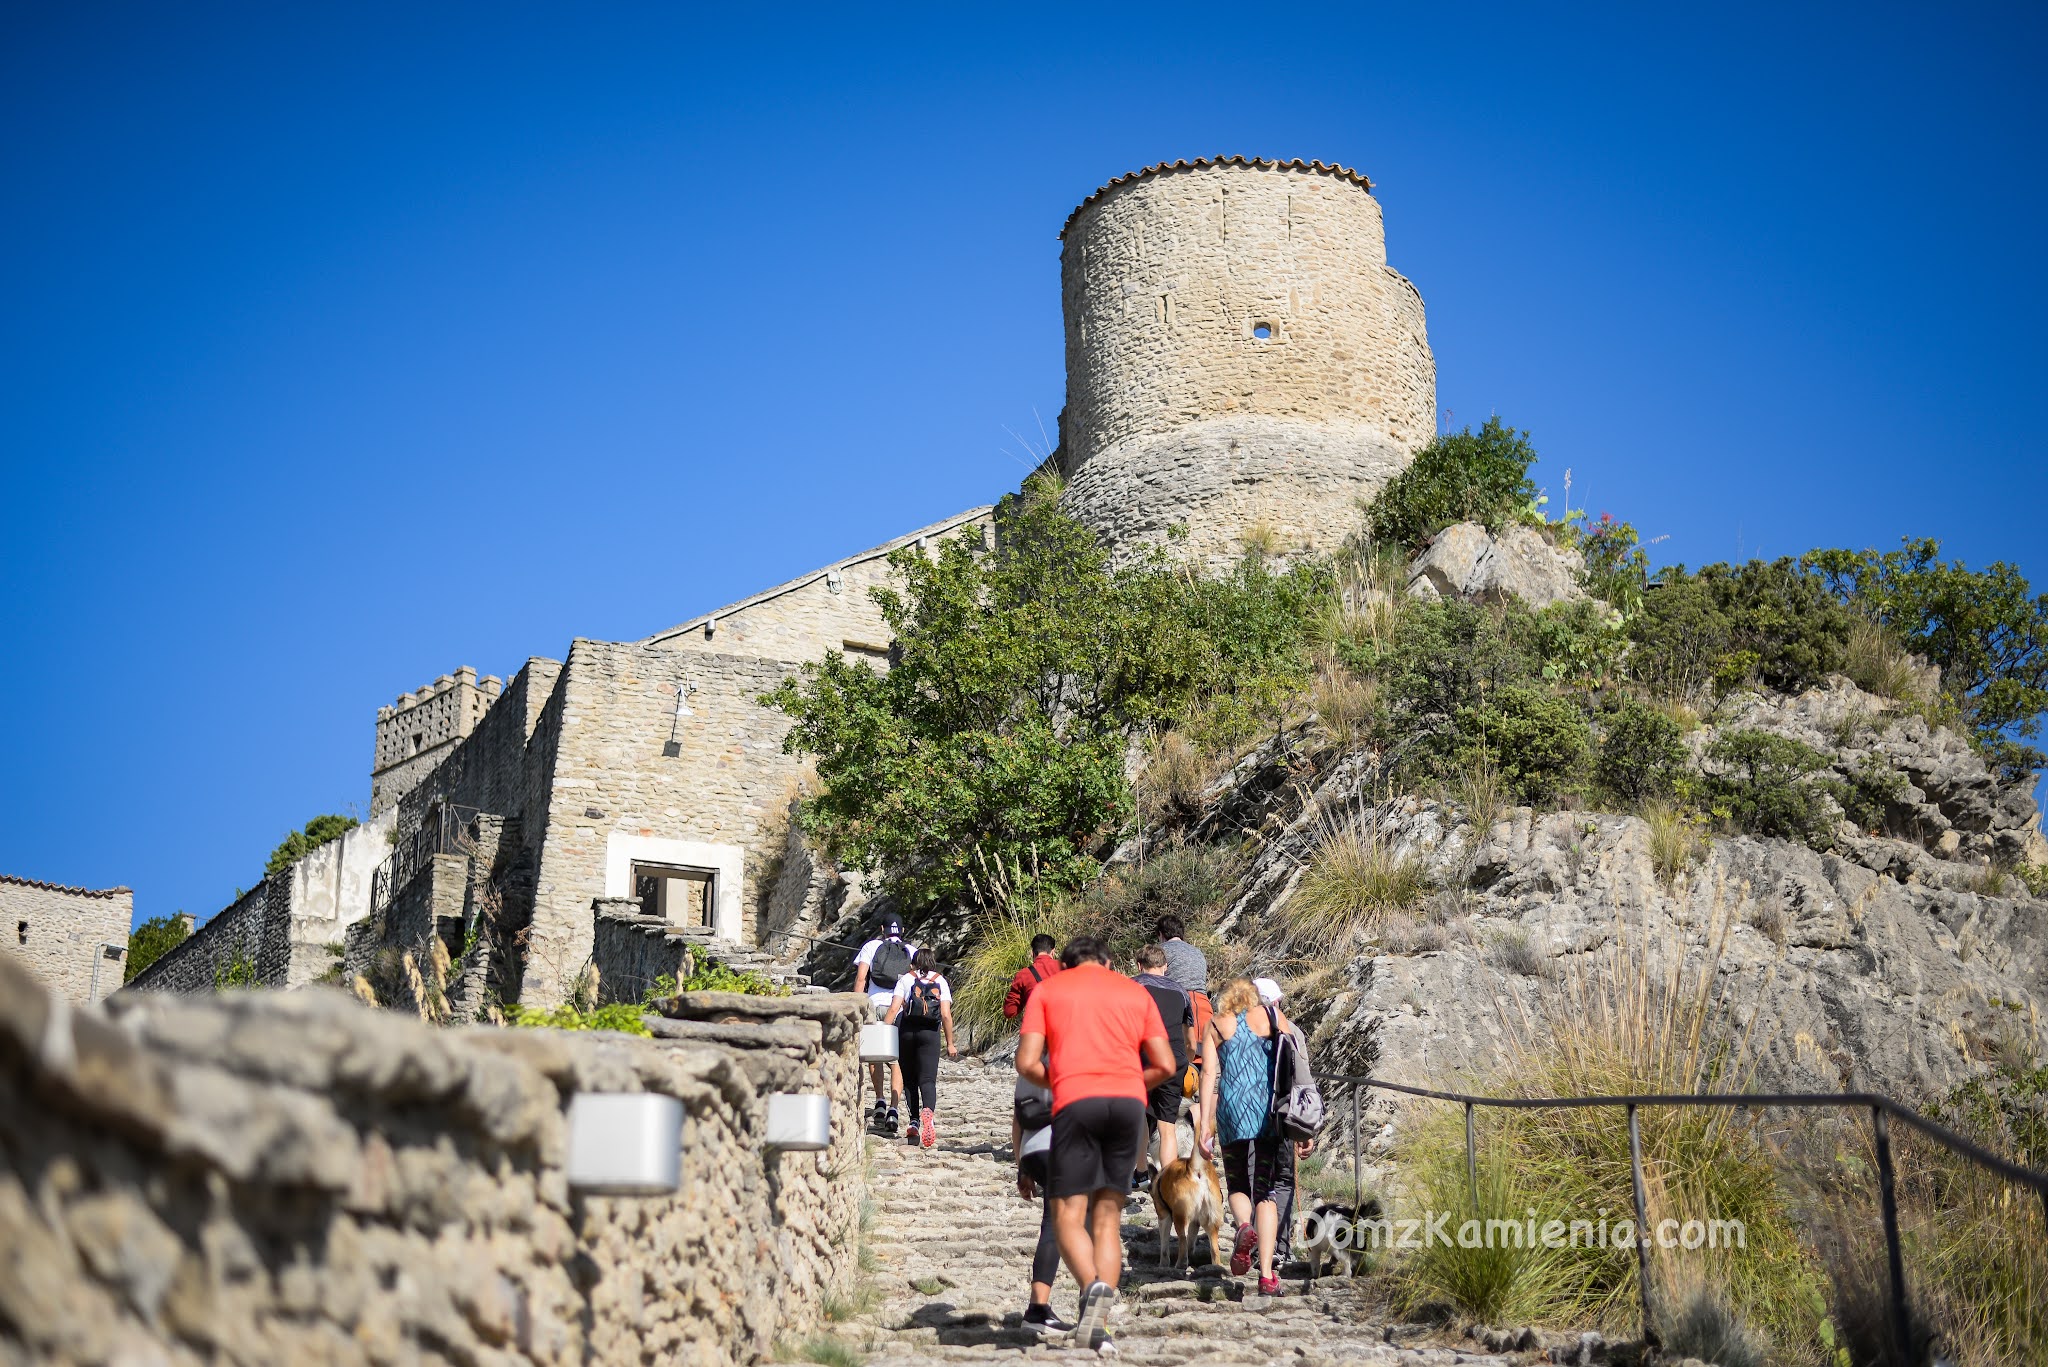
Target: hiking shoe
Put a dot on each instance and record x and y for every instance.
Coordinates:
(1041, 1317)
(1091, 1328)
(1269, 1286)
(927, 1133)
(881, 1114)
(1106, 1348)
(1247, 1245)
(892, 1119)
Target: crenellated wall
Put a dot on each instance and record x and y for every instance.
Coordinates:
(265, 1177)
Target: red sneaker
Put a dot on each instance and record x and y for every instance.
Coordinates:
(1247, 1245)
(1269, 1286)
(927, 1132)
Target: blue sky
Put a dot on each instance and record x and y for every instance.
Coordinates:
(346, 346)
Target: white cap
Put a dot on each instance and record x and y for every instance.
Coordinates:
(1269, 991)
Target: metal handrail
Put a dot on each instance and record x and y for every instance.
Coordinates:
(1880, 1107)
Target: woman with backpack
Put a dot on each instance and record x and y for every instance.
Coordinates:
(1236, 1111)
(922, 1012)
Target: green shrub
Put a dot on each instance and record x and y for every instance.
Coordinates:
(1540, 741)
(1617, 571)
(712, 976)
(620, 1016)
(1641, 753)
(1718, 628)
(1772, 785)
(1872, 787)
(299, 844)
(240, 971)
(150, 941)
(1464, 476)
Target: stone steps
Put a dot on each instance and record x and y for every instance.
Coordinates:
(950, 1218)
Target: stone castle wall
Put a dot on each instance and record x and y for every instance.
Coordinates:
(826, 610)
(296, 1178)
(1180, 412)
(59, 934)
(287, 930)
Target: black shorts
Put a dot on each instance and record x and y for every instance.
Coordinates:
(1262, 1169)
(1163, 1106)
(1095, 1145)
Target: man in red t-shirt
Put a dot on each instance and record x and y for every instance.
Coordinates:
(1084, 1034)
(1044, 963)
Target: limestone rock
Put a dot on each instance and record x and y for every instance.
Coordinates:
(1466, 561)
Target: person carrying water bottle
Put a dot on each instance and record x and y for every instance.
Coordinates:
(922, 1012)
(881, 963)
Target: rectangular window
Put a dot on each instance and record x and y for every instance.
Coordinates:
(683, 897)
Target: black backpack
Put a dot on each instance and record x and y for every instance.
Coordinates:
(891, 961)
(921, 1003)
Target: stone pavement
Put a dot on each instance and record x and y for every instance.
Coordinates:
(950, 1219)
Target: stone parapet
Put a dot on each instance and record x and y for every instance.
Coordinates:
(297, 1178)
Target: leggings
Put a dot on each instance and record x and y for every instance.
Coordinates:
(920, 1058)
(1045, 1259)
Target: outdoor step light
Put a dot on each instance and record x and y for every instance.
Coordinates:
(625, 1143)
(878, 1043)
(799, 1121)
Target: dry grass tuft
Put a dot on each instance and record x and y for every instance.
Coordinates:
(1676, 841)
(1176, 774)
(1345, 703)
(1262, 539)
(1877, 663)
(1478, 788)
(1352, 884)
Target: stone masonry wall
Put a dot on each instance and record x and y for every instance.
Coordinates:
(57, 933)
(1179, 412)
(253, 931)
(413, 734)
(824, 611)
(727, 785)
(270, 1178)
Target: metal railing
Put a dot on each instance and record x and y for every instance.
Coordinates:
(1880, 1107)
(445, 829)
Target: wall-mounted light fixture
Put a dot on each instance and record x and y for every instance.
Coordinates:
(625, 1143)
(834, 581)
(878, 1043)
(710, 627)
(799, 1121)
(673, 746)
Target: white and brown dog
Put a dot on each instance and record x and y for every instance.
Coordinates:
(1186, 1197)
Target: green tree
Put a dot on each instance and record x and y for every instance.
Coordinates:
(1985, 629)
(997, 734)
(151, 940)
(1463, 476)
(299, 844)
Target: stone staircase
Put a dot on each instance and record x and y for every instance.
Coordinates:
(954, 1240)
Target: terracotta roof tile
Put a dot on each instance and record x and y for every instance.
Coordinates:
(60, 887)
(1357, 178)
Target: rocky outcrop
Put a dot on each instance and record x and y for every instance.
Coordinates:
(1901, 960)
(296, 1178)
(1466, 561)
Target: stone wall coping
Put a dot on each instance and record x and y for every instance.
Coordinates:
(791, 586)
(63, 887)
(838, 1014)
(1358, 178)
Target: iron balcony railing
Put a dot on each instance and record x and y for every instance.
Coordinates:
(1882, 1109)
(445, 829)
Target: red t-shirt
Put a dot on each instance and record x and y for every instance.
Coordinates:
(1095, 1022)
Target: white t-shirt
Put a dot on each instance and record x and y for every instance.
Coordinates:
(902, 992)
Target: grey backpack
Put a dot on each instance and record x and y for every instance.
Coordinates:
(1297, 1101)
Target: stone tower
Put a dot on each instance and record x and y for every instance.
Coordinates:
(1239, 354)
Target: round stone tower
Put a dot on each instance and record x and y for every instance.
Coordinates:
(1239, 356)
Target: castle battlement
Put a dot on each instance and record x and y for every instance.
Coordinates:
(415, 733)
